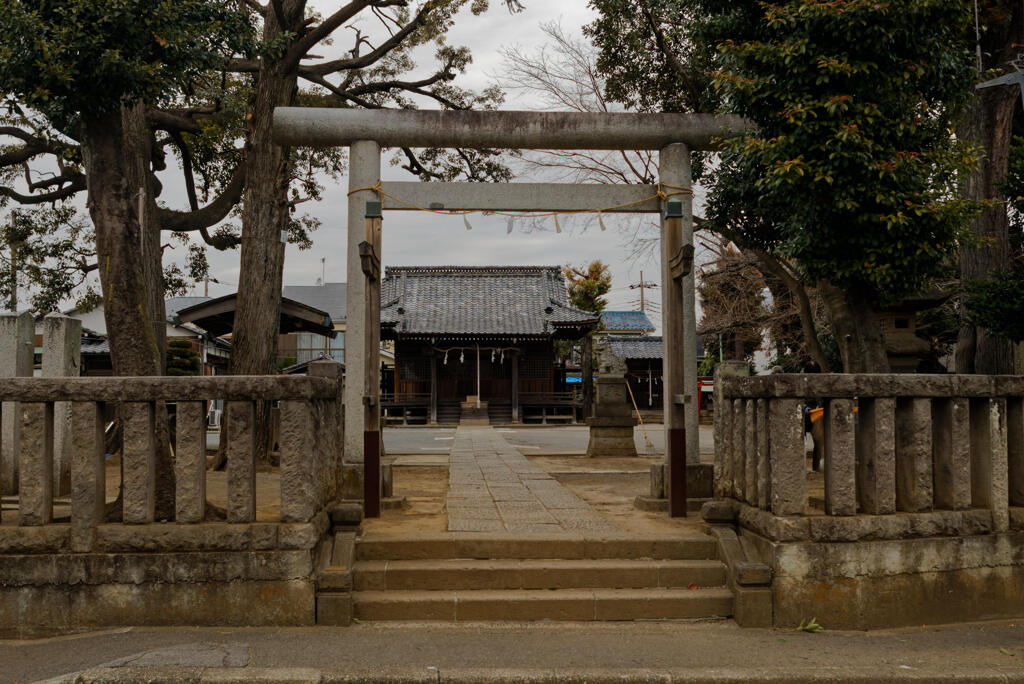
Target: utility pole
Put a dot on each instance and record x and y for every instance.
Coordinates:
(643, 285)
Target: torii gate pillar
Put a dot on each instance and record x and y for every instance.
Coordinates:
(679, 330)
(362, 355)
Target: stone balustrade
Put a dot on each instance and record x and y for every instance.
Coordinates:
(904, 455)
(311, 439)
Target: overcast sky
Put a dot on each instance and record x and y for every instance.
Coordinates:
(414, 238)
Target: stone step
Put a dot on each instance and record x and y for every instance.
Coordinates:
(558, 604)
(485, 546)
(437, 575)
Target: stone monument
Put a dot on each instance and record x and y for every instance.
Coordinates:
(611, 427)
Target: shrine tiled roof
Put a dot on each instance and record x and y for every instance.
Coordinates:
(509, 301)
(635, 347)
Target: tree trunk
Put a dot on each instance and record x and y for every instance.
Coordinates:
(116, 150)
(987, 121)
(855, 325)
(264, 217)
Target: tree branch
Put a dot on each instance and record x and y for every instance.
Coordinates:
(76, 185)
(205, 217)
(412, 86)
(22, 154)
(171, 121)
(375, 54)
(301, 47)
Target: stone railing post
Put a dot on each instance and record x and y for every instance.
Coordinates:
(334, 438)
(876, 455)
(951, 443)
(62, 353)
(764, 475)
(17, 333)
(739, 448)
(190, 462)
(788, 459)
(35, 490)
(138, 462)
(914, 488)
(989, 460)
(750, 478)
(242, 461)
(298, 446)
(88, 473)
(840, 462)
(725, 450)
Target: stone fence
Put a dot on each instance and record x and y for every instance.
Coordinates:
(78, 570)
(909, 460)
(891, 443)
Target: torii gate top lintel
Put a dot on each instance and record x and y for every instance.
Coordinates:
(320, 127)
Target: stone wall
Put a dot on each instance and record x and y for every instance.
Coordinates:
(922, 517)
(159, 574)
(80, 570)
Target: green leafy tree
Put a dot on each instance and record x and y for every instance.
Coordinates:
(91, 69)
(87, 73)
(49, 253)
(853, 159)
(654, 58)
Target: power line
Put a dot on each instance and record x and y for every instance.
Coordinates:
(643, 285)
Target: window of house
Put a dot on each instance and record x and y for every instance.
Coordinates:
(337, 347)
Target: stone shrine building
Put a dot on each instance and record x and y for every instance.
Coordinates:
(481, 336)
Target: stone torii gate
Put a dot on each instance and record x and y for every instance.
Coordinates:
(365, 132)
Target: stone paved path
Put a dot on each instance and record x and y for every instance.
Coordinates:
(494, 488)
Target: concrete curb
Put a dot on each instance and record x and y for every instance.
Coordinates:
(431, 675)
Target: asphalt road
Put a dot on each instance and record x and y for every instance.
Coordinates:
(708, 651)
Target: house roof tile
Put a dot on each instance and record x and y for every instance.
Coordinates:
(528, 301)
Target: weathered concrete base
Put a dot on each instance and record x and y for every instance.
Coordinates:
(37, 611)
(874, 572)
(612, 441)
(874, 585)
(699, 485)
(895, 582)
(352, 481)
(159, 574)
(392, 503)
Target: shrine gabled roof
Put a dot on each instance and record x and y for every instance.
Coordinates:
(635, 347)
(523, 301)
